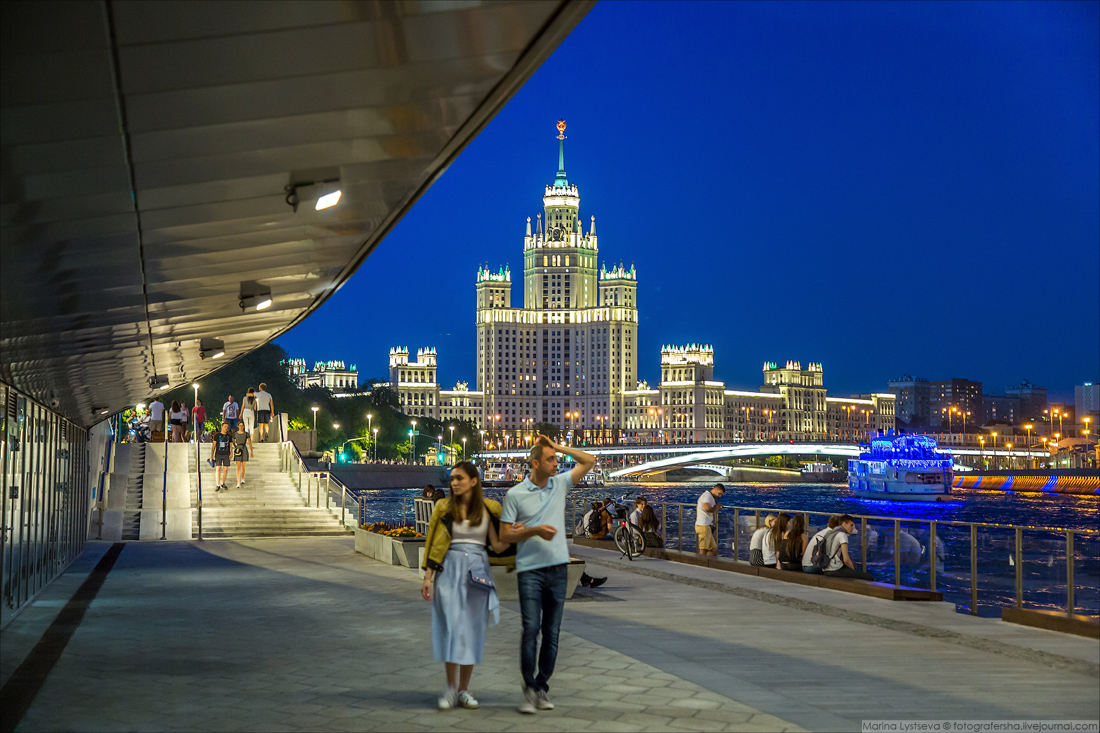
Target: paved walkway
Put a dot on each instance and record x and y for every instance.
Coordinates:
(306, 635)
(303, 634)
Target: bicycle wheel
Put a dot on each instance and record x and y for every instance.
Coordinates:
(638, 540)
(622, 541)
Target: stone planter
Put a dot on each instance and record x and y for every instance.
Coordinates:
(406, 550)
(373, 545)
(390, 550)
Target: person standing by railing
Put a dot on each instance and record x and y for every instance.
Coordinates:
(705, 510)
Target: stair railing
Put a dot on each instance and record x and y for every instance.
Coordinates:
(294, 460)
(198, 475)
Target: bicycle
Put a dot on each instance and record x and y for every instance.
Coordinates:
(628, 536)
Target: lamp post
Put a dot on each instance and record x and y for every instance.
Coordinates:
(996, 466)
(313, 438)
(195, 433)
(464, 449)
(412, 444)
(452, 429)
(981, 450)
(370, 416)
(375, 444)
(1057, 448)
(1046, 450)
(1008, 452)
(1087, 433)
(1029, 462)
(482, 432)
(438, 444)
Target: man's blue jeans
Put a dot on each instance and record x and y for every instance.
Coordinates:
(541, 603)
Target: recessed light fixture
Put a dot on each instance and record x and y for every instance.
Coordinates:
(328, 200)
(212, 348)
(160, 381)
(255, 295)
(100, 410)
(320, 185)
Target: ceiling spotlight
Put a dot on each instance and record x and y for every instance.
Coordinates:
(100, 410)
(160, 381)
(213, 348)
(318, 184)
(254, 295)
(328, 200)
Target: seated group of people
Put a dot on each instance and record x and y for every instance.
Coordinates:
(599, 522)
(782, 543)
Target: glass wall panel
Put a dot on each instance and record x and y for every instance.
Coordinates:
(45, 485)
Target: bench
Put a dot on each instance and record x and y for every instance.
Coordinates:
(885, 591)
(1059, 621)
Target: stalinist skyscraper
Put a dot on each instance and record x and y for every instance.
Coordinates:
(570, 352)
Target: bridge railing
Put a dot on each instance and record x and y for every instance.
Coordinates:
(979, 566)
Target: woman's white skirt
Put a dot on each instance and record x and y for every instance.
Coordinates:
(461, 612)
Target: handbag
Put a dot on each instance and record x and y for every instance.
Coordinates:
(482, 580)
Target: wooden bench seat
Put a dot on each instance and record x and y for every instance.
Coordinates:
(885, 591)
(1060, 621)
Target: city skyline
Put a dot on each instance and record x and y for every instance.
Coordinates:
(782, 230)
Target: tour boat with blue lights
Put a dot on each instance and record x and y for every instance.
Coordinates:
(902, 468)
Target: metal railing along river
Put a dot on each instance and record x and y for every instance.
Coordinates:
(979, 566)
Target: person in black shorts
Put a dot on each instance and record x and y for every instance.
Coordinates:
(221, 451)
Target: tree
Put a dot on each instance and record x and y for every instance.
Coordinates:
(550, 431)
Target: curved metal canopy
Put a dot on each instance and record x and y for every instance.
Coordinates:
(147, 148)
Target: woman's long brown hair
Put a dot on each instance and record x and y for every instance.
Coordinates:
(794, 535)
(475, 505)
(778, 529)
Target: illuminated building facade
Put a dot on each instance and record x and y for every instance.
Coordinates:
(690, 406)
(334, 376)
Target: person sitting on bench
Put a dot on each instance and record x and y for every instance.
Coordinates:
(840, 564)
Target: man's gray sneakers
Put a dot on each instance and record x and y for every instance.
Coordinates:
(528, 704)
(542, 701)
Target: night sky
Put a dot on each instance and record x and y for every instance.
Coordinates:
(887, 188)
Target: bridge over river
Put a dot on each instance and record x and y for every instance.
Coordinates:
(634, 461)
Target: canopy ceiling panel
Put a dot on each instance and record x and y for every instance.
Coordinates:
(147, 147)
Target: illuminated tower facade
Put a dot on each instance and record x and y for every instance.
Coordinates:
(567, 355)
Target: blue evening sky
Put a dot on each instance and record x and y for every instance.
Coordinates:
(886, 188)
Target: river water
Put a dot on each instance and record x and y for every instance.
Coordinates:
(1044, 568)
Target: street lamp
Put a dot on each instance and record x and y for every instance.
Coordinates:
(996, 466)
(438, 445)
(464, 450)
(1008, 451)
(370, 416)
(412, 443)
(313, 438)
(981, 450)
(1029, 462)
(375, 444)
(452, 429)
(195, 435)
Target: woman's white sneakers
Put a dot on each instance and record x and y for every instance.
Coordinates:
(451, 699)
(448, 699)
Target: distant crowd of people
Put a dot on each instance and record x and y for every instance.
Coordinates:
(252, 416)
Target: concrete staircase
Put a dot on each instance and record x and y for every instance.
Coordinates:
(131, 513)
(268, 505)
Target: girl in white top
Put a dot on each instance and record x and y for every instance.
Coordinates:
(248, 411)
(770, 545)
(756, 544)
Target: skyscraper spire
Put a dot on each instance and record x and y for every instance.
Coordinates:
(560, 180)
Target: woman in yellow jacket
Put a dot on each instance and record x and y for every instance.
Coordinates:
(458, 582)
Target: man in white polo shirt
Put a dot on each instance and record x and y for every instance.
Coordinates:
(534, 516)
